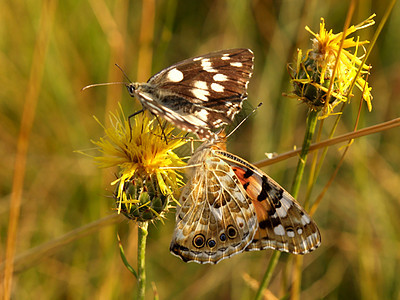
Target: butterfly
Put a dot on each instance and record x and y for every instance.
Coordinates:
(229, 206)
(199, 94)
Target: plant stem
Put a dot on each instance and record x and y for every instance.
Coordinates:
(308, 136)
(310, 129)
(268, 274)
(142, 236)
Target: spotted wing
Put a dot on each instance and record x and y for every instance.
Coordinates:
(215, 219)
(282, 223)
(202, 93)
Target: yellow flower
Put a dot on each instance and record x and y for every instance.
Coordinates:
(313, 73)
(148, 177)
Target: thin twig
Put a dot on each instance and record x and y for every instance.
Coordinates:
(342, 138)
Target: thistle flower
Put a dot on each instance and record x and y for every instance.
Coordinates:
(147, 178)
(314, 71)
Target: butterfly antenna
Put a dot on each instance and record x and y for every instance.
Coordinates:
(123, 72)
(244, 120)
(101, 84)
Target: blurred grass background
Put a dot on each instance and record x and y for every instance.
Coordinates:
(50, 49)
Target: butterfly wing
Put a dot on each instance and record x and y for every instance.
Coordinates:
(282, 223)
(201, 93)
(215, 219)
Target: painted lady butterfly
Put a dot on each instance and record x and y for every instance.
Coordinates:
(199, 94)
(230, 206)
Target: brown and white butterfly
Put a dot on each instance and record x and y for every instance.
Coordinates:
(199, 94)
(229, 206)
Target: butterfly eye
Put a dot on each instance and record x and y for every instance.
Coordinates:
(131, 89)
(199, 241)
(232, 232)
(211, 243)
(222, 237)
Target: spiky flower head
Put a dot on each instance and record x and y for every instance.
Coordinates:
(144, 154)
(314, 73)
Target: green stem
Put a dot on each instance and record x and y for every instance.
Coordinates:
(316, 166)
(308, 136)
(310, 129)
(268, 274)
(142, 236)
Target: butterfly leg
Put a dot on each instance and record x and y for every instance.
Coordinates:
(162, 128)
(129, 121)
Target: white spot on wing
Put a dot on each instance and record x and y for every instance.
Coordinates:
(201, 85)
(237, 195)
(290, 234)
(207, 65)
(281, 211)
(220, 77)
(279, 230)
(175, 75)
(217, 212)
(202, 115)
(305, 220)
(286, 202)
(236, 64)
(217, 87)
(200, 94)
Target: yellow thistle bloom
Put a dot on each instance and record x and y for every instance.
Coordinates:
(313, 73)
(148, 178)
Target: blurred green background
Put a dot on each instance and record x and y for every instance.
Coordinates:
(50, 49)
